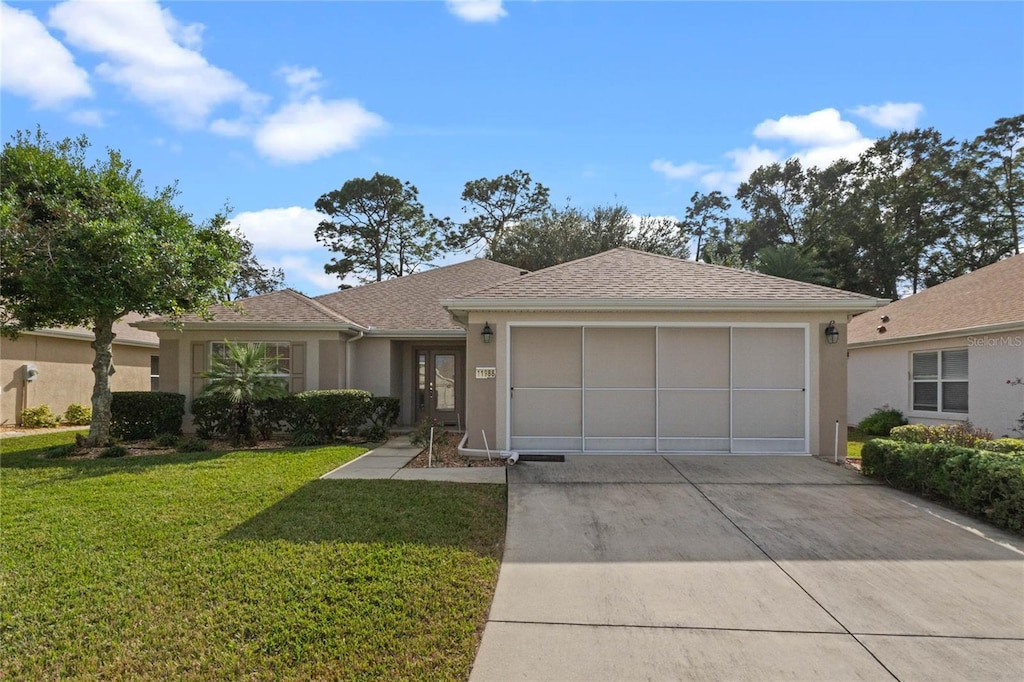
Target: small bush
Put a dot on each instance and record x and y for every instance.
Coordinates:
(193, 445)
(988, 485)
(384, 414)
(136, 415)
(965, 434)
(61, 451)
(330, 414)
(39, 417)
(167, 440)
(305, 437)
(421, 435)
(77, 415)
(881, 421)
(1004, 445)
(114, 451)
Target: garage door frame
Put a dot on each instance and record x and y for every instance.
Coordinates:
(733, 389)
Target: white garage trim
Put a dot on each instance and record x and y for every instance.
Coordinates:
(741, 438)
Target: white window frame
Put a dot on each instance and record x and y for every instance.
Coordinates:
(939, 383)
(154, 376)
(268, 344)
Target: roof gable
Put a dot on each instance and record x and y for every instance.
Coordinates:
(988, 297)
(625, 274)
(413, 302)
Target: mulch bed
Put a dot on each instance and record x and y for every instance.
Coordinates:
(446, 455)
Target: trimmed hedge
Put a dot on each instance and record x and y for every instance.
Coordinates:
(988, 485)
(325, 415)
(384, 411)
(965, 434)
(136, 415)
(1005, 445)
(881, 421)
(214, 416)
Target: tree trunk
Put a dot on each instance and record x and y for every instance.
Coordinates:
(102, 368)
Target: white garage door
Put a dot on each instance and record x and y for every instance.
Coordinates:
(658, 389)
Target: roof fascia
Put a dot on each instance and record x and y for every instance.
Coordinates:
(588, 304)
(79, 336)
(938, 336)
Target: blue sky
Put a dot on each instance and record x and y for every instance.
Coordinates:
(268, 105)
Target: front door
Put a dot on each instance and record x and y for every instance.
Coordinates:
(438, 387)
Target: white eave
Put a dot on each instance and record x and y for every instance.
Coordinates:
(248, 326)
(849, 305)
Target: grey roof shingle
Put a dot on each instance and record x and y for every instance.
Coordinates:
(987, 297)
(124, 333)
(284, 307)
(630, 275)
(413, 302)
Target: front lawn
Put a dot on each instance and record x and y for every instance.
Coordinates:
(238, 565)
(855, 443)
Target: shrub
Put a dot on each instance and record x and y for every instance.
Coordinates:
(193, 445)
(39, 417)
(330, 414)
(77, 415)
(167, 440)
(881, 421)
(421, 435)
(114, 451)
(1004, 445)
(214, 416)
(965, 434)
(383, 415)
(136, 415)
(988, 485)
(61, 451)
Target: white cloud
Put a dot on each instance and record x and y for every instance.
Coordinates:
(289, 228)
(298, 267)
(36, 65)
(301, 82)
(87, 117)
(153, 56)
(477, 10)
(823, 157)
(818, 128)
(678, 172)
(744, 162)
(892, 115)
(306, 131)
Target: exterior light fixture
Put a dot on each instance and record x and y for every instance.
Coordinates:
(487, 332)
(831, 333)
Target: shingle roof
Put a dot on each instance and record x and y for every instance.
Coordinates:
(413, 302)
(123, 332)
(286, 306)
(628, 275)
(990, 296)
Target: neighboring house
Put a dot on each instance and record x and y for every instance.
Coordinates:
(624, 351)
(945, 355)
(63, 359)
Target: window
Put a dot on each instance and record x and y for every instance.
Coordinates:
(939, 381)
(281, 350)
(154, 372)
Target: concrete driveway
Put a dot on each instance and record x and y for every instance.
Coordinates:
(745, 568)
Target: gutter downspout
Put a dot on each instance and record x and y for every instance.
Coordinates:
(510, 456)
(348, 358)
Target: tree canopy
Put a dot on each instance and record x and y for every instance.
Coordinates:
(493, 204)
(85, 244)
(379, 229)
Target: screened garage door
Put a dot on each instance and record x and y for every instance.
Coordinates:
(658, 389)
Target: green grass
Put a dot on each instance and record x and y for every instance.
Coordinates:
(854, 443)
(238, 565)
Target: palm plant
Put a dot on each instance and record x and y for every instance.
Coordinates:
(244, 375)
(790, 262)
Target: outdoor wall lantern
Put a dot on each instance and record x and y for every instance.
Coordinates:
(831, 333)
(487, 332)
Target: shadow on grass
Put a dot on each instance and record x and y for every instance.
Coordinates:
(470, 517)
(78, 468)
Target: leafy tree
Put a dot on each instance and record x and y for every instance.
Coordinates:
(85, 245)
(252, 278)
(379, 228)
(243, 375)
(707, 219)
(773, 196)
(998, 154)
(496, 203)
(790, 262)
(561, 235)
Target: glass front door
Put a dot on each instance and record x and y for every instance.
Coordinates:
(437, 384)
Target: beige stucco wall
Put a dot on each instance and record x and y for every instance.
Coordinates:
(880, 375)
(65, 372)
(487, 398)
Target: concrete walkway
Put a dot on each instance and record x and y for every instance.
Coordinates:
(388, 461)
(745, 568)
